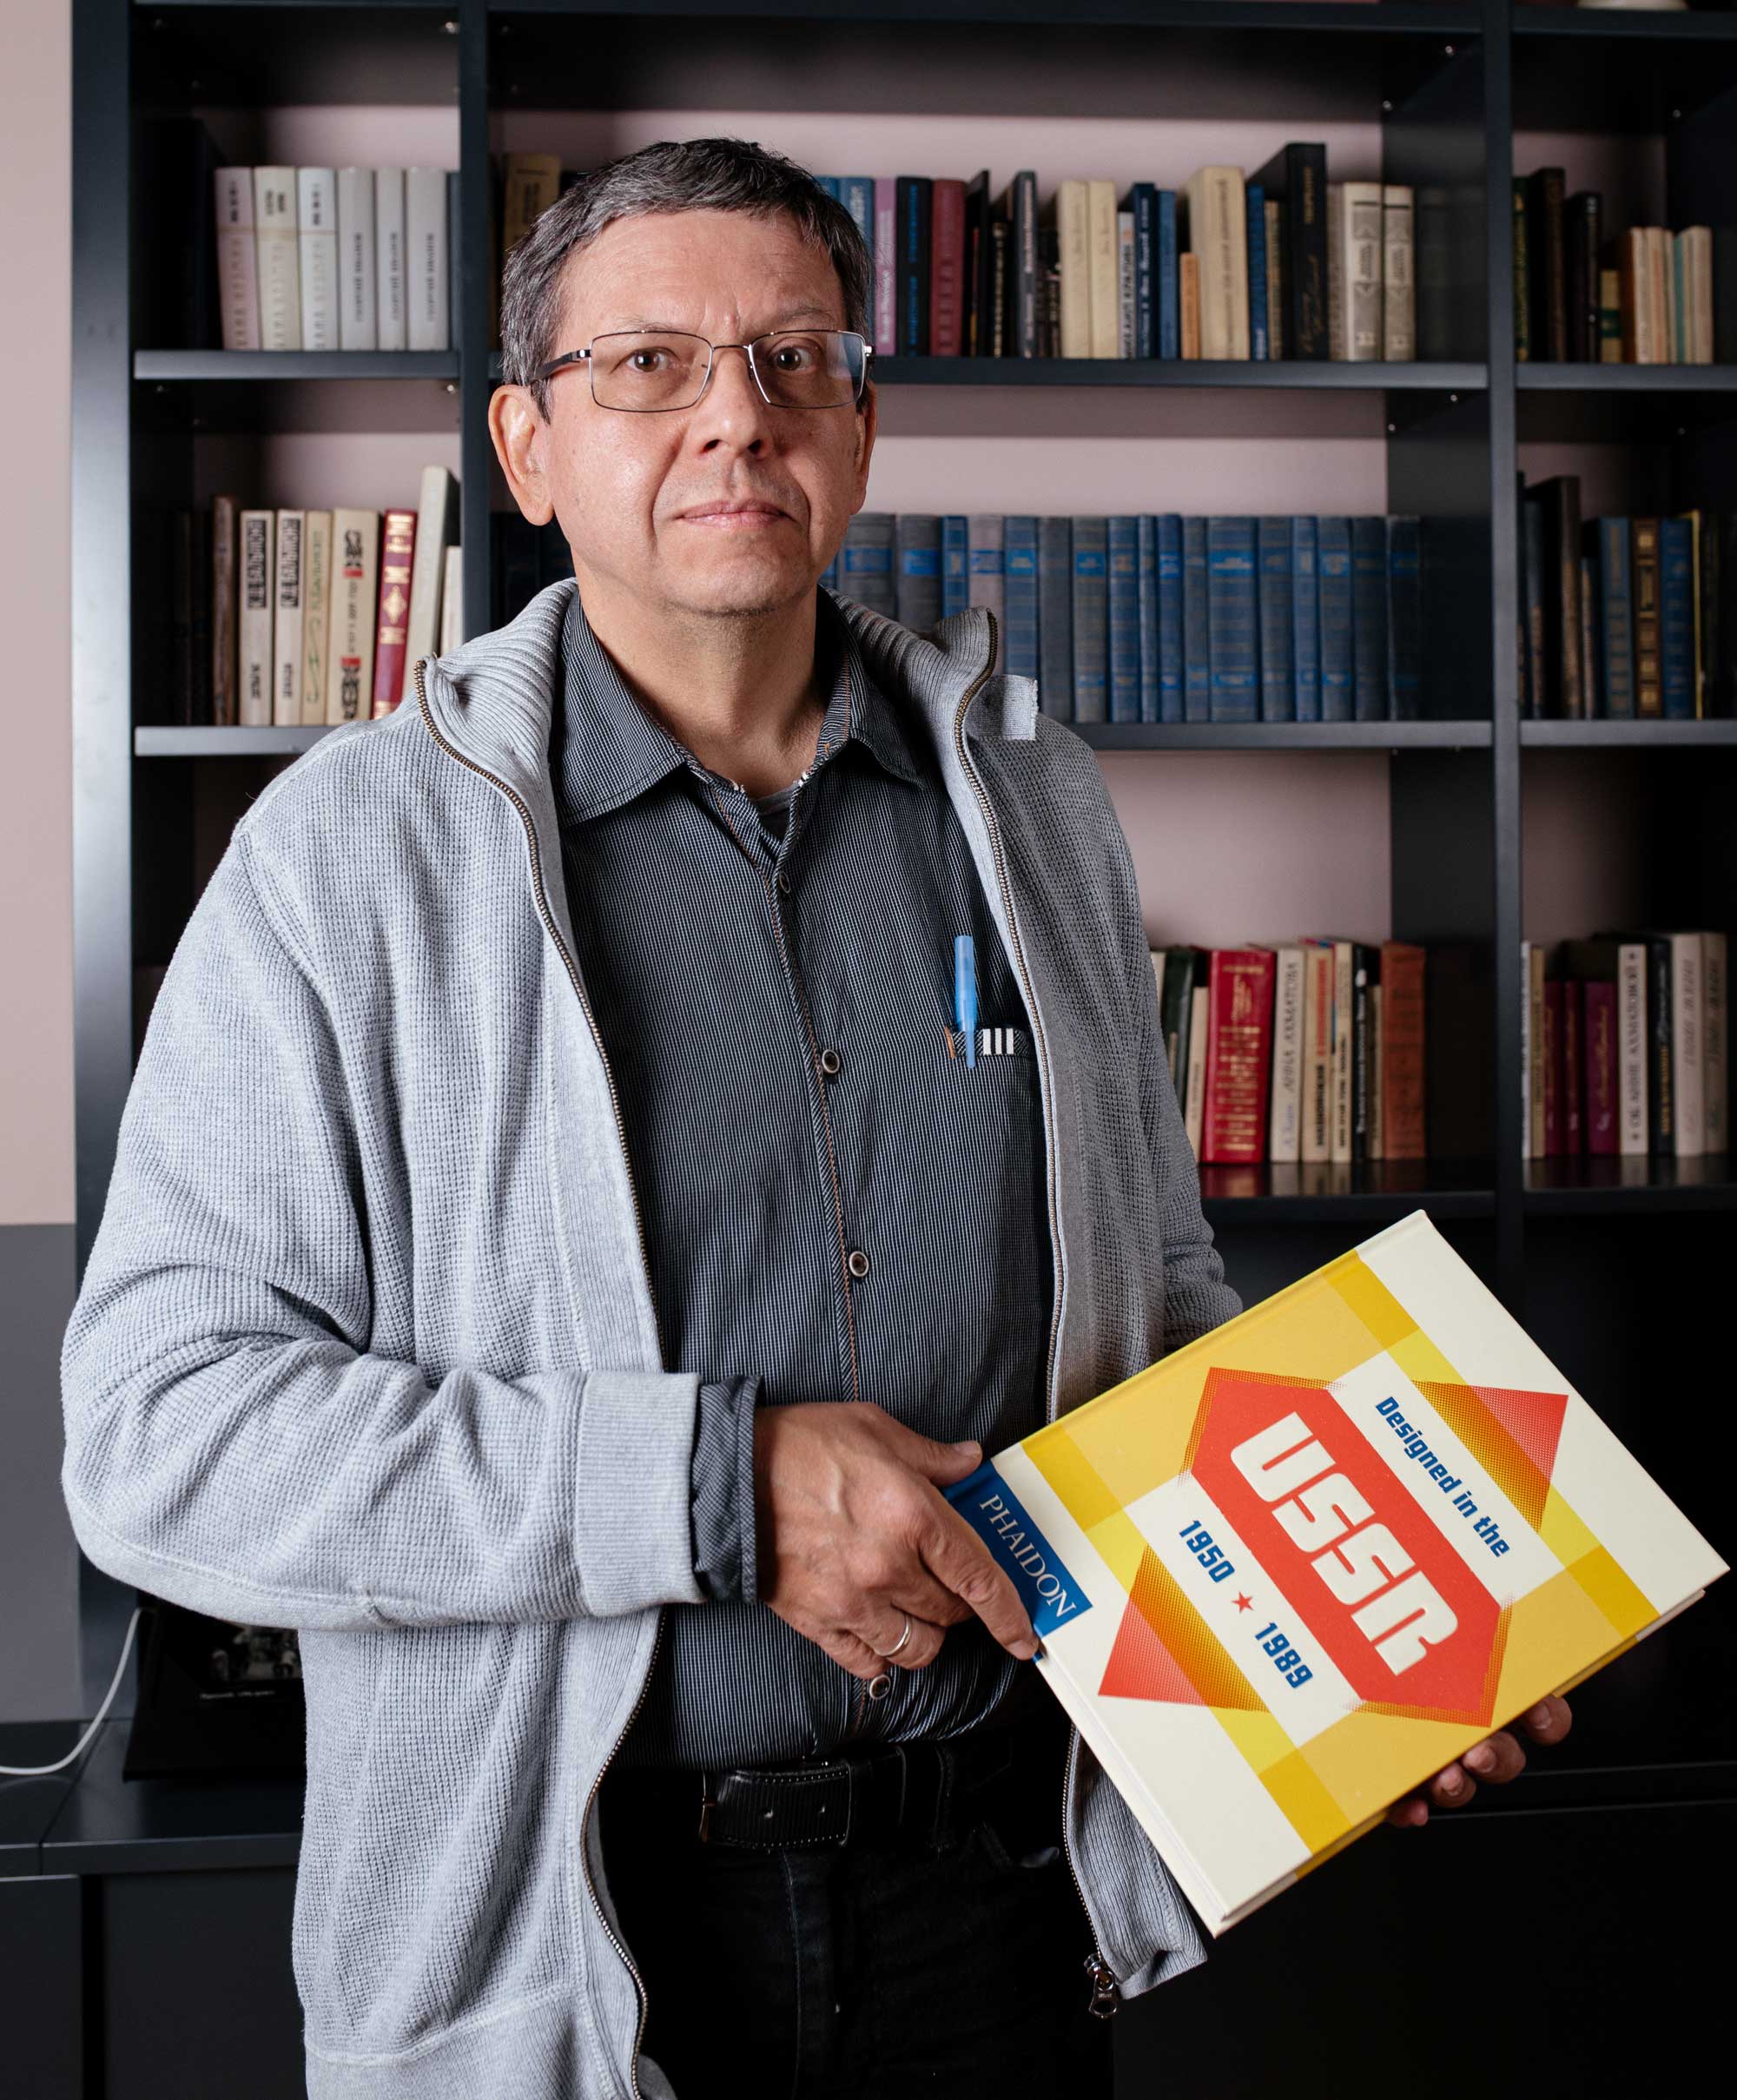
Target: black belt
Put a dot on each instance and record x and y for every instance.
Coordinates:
(927, 1794)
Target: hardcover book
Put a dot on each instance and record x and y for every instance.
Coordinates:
(1287, 1573)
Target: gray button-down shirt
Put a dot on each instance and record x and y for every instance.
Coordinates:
(836, 1207)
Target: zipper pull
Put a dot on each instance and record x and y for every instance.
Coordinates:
(1107, 1993)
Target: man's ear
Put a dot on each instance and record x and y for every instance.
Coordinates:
(519, 436)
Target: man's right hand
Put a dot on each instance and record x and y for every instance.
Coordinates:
(853, 1533)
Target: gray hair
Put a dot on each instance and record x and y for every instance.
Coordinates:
(674, 176)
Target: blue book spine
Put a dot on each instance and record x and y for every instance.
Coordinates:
(955, 571)
(1404, 618)
(1020, 596)
(1233, 634)
(916, 542)
(1196, 652)
(1169, 311)
(1147, 566)
(1255, 197)
(1369, 619)
(1124, 619)
(1333, 563)
(1617, 605)
(1169, 537)
(1143, 196)
(1055, 616)
(1091, 619)
(1676, 617)
(856, 194)
(1277, 658)
(1305, 620)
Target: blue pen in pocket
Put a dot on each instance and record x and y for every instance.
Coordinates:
(965, 994)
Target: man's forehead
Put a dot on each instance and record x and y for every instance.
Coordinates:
(630, 277)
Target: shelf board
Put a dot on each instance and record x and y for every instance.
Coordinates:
(185, 365)
(1323, 1194)
(1282, 736)
(1544, 377)
(1645, 24)
(1335, 16)
(167, 741)
(1648, 734)
(1613, 1187)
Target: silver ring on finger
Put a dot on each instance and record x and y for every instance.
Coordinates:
(888, 1653)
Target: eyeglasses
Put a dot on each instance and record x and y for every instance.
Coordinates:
(645, 370)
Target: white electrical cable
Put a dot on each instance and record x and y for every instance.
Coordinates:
(31, 1772)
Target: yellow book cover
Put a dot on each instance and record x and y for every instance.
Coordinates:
(1293, 1569)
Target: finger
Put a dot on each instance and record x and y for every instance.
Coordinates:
(924, 1598)
(917, 1653)
(1452, 1787)
(944, 1463)
(959, 1558)
(1411, 1813)
(1499, 1758)
(848, 1650)
(1549, 1721)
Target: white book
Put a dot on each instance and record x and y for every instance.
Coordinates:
(1071, 221)
(1285, 1117)
(1218, 235)
(453, 603)
(358, 306)
(1124, 284)
(355, 585)
(1194, 1100)
(1715, 1042)
(1525, 1049)
(1343, 1011)
(1634, 1128)
(238, 273)
(316, 239)
(287, 623)
(1100, 225)
(1398, 275)
(1687, 1083)
(389, 301)
(280, 273)
(1317, 1051)
(437, 529)
(316, 612)
(425, 243)
(253, 634)
(1354, 232)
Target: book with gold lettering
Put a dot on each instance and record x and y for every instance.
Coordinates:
(1293, 1569)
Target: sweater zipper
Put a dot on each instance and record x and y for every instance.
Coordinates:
(615, 1101)
(1106, 1992)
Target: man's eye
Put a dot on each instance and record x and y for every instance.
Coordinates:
(639, 353)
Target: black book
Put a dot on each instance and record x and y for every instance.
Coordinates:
(1548, 264)
(1522, 275)
(1022, 323)
(1725, 295)
(1296, 177)
(1661, 1126)
(1533, 605)
(912, 226)
(978, 265)
(1366, 975)
(1584, 214)
(1722, 700)
(1560, 499)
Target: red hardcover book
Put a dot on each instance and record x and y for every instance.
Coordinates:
(1574, 1070)
(1401, 1050)
(397, 549)
(1239, 985)
(1553, 1067)
(1598, 1034)
(947, 267)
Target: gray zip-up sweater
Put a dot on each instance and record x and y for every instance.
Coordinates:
(365, 1346)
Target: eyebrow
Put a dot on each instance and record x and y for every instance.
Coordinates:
(674, 327)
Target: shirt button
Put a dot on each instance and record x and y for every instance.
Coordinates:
(857, 1262)
(828, 1063)
(784, 882)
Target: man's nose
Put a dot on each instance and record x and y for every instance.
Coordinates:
(731, 383)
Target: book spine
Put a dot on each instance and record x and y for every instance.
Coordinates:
(391, 308)
(1194, 1100)
(1615, 617)
(258, 577)
(1197, 654)
(1686, 1075)
(1277, 622)
(1526, 1148)
(238, 282)
(1305, 609)
(1338, 678)
(316, 612)
(355, 571)
(1233, 640)
(1142, 199)
(886, 266)
(1238, 1048)
(1533, 579)
(1317, 1136)
(1609, 317)
(358, 314)
(947, 272)
(916, 204)
(398, 556)
(1402, 1050)
(1661, 1125)
(1170, 631)
(316, 237)
(986, 545)
(1369, 617)
(917, 583)
(280, 277)
(1169, 318)
(1275, 280)
(1404, 618)
(1376, 1150)
(1122, 557)
(1643, 574)
(1522, 273)
(224, 609)
(1254, 207)
(1127, 287)
(1634, 1052)
(1020, 586)
(1055, 615)
(1585, 211)
(1188, 278)
(1598, 1032)
(1147, 568)
(1574, 1070)
(1539, 1048)
(1343, 1016)
(1177, 1008)
(1028, 267)
(426, 282)
(1676, 620)
(1091, 618)
(1715, 1041)
(1360, 269)
(1306, 209)
(1104, 267)
(1366, 963)
(1550, 275)
(1553, 1067)
(1071, 225)
(1398, 275)
(1561, 521)
(1284, 1114)
(955, 565)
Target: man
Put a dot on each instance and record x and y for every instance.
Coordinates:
(553, 1189)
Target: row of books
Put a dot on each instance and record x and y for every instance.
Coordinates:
(1647, 296)
(1624, 617)
(1164, 617)
(1626, 1045)
(1312, 1050)
(1281, 264)
(291, 616)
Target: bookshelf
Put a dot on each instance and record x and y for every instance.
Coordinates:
(1426, 823)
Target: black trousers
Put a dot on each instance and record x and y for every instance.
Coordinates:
(863, 1972)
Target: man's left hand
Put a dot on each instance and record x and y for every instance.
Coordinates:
(1496, 1758)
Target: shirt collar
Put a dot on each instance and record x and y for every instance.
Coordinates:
(605, 748)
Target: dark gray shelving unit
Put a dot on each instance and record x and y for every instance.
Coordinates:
(1610, 1267)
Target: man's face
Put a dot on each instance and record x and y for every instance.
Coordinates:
(625, 488)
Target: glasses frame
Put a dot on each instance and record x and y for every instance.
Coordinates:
(583, 357)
